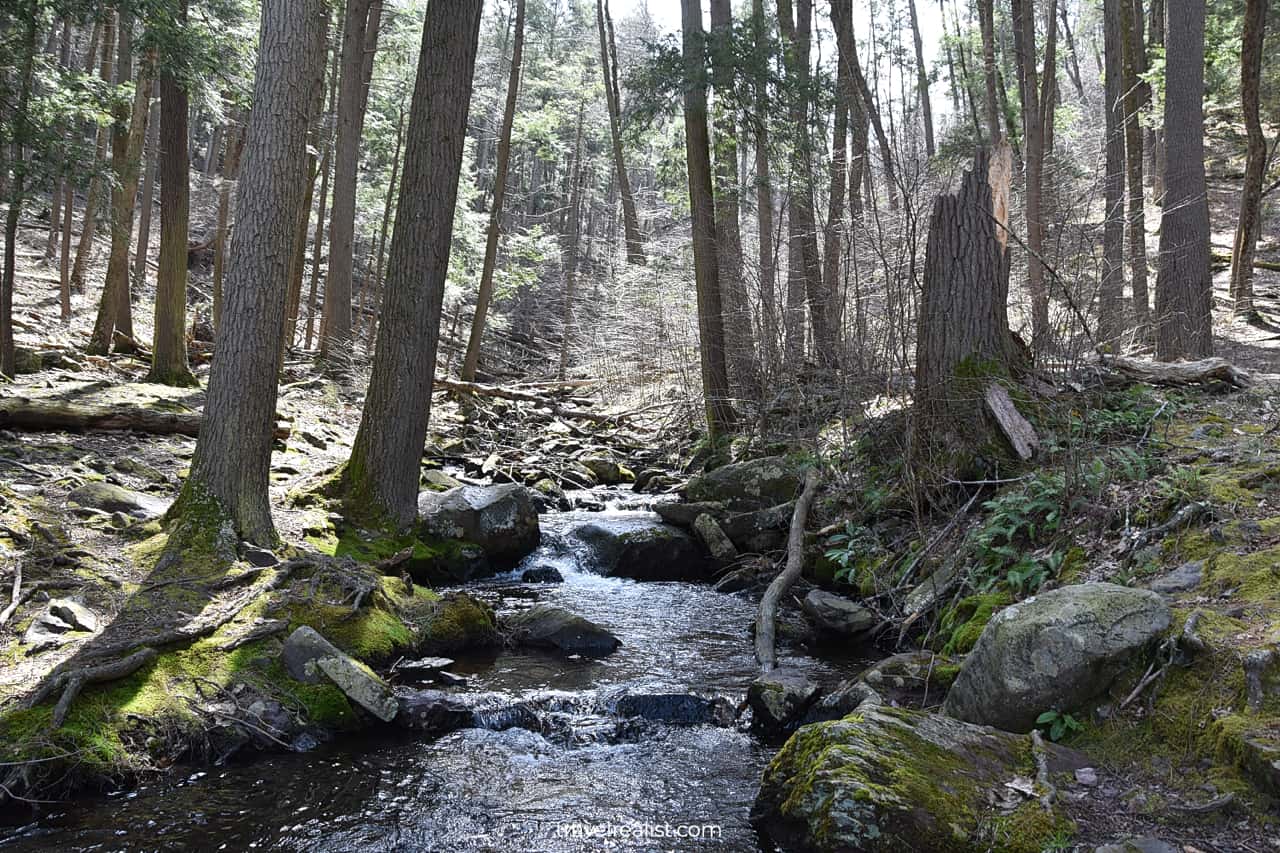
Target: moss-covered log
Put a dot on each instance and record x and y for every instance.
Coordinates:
(23, 413)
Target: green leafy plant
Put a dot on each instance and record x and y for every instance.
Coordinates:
(850, 548)
(1058, 725)
(1017, 522)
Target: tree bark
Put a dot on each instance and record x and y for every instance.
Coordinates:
(1033, 123)
(1131, 42)
(231, 163)
(1184, 285)
(715, 377)
(231, 466)
(986, 22)
(17, 190)
(574, 228)
(169, 350)
(764, 195)
(613, 99)
(1249, 224)
(471, 361)
(335, 334)
(387, 210)
(381, 478)
(89, 225)
(922, 81)
(147, 195)
(1111, 314)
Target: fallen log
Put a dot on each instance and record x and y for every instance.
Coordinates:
(23, 413)
(766, 617)
(1180, 372)
(478, 390)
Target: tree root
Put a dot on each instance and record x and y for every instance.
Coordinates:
(1041, 753)
(1182, 518)
(73, 681)
(1191, 640)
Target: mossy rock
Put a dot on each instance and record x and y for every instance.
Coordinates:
(457, 623)
(890, 779)
(962, 623)
(751, 485)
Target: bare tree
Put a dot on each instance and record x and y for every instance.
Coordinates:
(231, 467)
(381, 478)
(613, 100)
(1111, 314)
(1184, 285)
(922, 81)
(1255, 27)
(1131, 41)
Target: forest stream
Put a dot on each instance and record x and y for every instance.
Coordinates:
(558, 759)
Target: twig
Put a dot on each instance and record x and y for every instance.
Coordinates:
(16, 598)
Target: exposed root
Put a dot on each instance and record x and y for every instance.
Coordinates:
(73, 681)
(1041, 753)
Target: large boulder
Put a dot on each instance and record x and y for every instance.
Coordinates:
(501, 520)
(643, 550)
(836, 616)
(779, 698)
(309, 657)
(680, 709)
(109, 497)
(1055, 650)
(890, 779)
(545, 627)
(760, 530)
(750, 485)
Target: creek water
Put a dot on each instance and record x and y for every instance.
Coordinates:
(581, 779)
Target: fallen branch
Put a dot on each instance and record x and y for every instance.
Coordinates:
(1180, 372)
(766, 619)
(1017, 429)
(16, 598)
(478, 390)
(43, 415)
(1182, 518)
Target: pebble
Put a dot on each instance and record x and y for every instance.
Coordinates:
(1087, 776)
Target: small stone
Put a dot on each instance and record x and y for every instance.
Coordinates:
(255, 556)
(542, 574)
(543, 626)
(714, 537)
(1185, 577)
(835, 614)
(75, 615)
(779, 698)
(1087, 777)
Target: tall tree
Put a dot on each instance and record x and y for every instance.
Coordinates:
(739, 340)
(613, 100)
(485, 292)
(147, 194)
(922, 80)
(359, 42)
(986, 23)
(715, 377)
(127, 135)
(1184, 284)
(231, 163)
(1131, 80)
(572, 238)
(764, 191)
(1248, 226)
(17, 185)
(1111, 315)
(89, 226)
(381, 477)
(231, 467)
(169, 349)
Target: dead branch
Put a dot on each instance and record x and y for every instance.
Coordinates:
(1180, 372)
(766, 619)
(475, 389)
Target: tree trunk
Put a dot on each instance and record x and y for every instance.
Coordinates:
(17, 190)
(986, 22)
(89, 225)
(231, 466)
(235, 141)
(381, 478)
(571, 244)
(715, 377)
(148, 195)
(1131, 43)
(485, 293)
(613, 98)
(169, 350)
(1184, 285)
(388, 210)
(1158, 159)
(1072, 59)
(1024, 30)
(744, 372)
(922, 81)
(127, 136)
(317, 242)
(764, 196)
(335, 334)
(963, 338)
(64, 262)
(1111, 314)
(1255, 24)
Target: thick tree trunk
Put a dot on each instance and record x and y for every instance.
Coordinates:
(381, 478)
(1158, 158)
(146, 200)
(963, 338)
(231, 466)
(764, 197)
(17, 189)
(169, 350)
(574, 228)
(1184, 285)
(1033, 122)
(1131, 43)
(613, 97)
(93, 198)
(335, 334)
(127, 135)
(231, 164)
(744, 372)
(485, 292)
(1111, 314)
(715, 377)
(1255, 25)
(922, 81)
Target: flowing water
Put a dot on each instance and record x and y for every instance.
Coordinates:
(580, 779)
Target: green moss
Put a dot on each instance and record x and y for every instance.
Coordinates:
(1030, 828)
(962, 623)
(457, 622)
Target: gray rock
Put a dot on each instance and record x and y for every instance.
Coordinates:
(836, 615)
(607, 471)
(74, 614)
(457, 623)
(760, 530)
(683, 514)
(1185, 577)
(552, 494)
(1058, 650)
(749, 485)
(260, 557)
(913, 679)
(889, 779)
(361, 685)
(546, 627)
(109, 498)
(438, 481)
(847, 697)
(643, 550)
(714, 538)
(1087, 776)
(301, 649)
(433, 712)
(501, 520)
(542, 574)
(1139, 845)
(682, 709)
(47, 631)
(779, 698)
